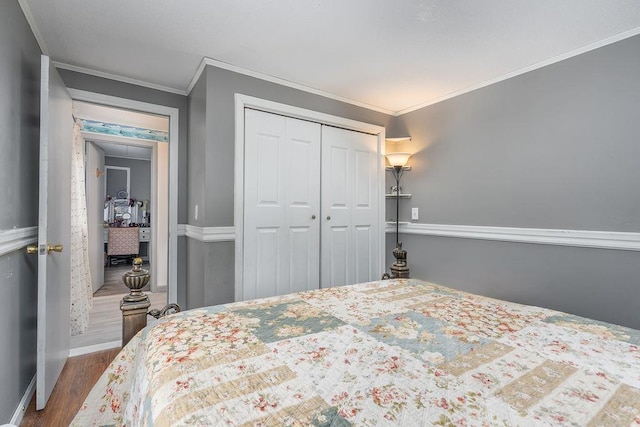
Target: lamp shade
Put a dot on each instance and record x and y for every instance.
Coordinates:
(398, 159)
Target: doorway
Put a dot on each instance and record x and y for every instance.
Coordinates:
(127, 178)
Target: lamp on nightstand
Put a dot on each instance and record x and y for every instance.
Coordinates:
(399, 269)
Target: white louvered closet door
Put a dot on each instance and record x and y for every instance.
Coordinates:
(281, 205)
(350, 216)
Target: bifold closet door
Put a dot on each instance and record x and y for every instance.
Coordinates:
(350, 199)
(281, 205)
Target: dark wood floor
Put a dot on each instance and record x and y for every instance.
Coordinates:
(78, 376)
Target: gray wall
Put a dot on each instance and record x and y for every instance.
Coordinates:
(211, 160)
(553, 148)
(101, 85)
(139, 176)
(19, 134)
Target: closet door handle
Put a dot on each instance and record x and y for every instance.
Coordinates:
(328, 217)
(313, 217)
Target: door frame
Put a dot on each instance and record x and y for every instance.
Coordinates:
(174, 142)
(245, 101)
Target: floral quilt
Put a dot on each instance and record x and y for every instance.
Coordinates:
(387, 353)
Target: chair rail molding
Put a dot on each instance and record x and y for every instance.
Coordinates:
(17, 238)
(210, 234)
(626, 241)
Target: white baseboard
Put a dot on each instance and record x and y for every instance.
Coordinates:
(625, 241)
(18, 414)
(94, 348)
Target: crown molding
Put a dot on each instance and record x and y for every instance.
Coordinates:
(625, 241)
(118, 78)
(197, 74)
(266, 77)
(32, 24)
(523, 70)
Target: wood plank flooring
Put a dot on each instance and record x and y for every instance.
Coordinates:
(78, 376)
(105, 319)
(113, 284)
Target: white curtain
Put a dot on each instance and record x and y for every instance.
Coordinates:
(81, 288)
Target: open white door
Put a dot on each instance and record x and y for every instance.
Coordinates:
(56, 133)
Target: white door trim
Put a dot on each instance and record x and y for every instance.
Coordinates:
(174, 142)
(245, 101)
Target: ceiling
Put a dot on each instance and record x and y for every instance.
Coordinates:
(123, 150)
(389, 55)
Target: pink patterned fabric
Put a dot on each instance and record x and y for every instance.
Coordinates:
(389, 353)
(123, 241)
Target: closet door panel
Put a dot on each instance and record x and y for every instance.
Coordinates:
(349, 204)
(337, 173)
(336, 267)
(363, 255)
(337, 191)
(266, 177)
(363, 197)
(267, 261)
(303, 264)
(281, 196)
(303, 206)
(263, 201)
(365, 216)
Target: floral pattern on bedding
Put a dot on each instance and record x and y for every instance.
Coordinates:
(397, 352)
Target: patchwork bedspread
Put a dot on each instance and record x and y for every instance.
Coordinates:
(397, 352)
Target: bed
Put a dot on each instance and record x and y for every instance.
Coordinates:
(393, 352)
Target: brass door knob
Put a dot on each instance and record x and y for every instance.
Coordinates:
(33, 249)
(54, 248)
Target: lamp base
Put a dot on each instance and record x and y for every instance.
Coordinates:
(399, 269)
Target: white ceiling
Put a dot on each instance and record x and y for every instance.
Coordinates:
(388, 54)
(124, 150)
